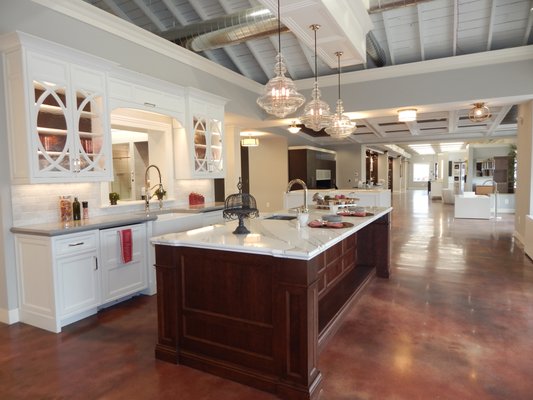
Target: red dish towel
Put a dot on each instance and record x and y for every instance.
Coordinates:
(126, 245)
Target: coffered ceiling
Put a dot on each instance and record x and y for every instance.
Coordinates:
(241, 35)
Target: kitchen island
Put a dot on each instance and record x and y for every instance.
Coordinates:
(258, 308)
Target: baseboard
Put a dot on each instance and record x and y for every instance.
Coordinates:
(9, 316)
(520, 239)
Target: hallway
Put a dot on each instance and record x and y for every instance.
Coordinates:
(454, 321)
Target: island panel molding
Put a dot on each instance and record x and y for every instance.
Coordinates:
(261, 319)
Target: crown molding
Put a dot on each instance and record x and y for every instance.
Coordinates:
(105, 21)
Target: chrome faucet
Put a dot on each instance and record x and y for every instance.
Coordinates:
(159, 186)
(302, 183)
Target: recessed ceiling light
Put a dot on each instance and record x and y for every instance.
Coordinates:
(422, 149)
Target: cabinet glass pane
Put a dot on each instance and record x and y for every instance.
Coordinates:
(200, 144)
(216, 145)
(90, 138)
(51, 127)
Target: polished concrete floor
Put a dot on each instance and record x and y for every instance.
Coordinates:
(454, 321)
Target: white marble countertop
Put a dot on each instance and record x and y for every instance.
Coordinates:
(276, 238)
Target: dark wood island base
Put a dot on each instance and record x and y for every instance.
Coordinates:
(258, 319)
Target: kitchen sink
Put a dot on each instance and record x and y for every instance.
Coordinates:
(282, 217)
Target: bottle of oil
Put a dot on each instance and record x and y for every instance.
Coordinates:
(76, 210)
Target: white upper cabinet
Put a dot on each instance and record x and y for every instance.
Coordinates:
(57, 113)
(203, 139)
(128, 89)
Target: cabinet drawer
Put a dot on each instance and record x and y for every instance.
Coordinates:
(75, 243)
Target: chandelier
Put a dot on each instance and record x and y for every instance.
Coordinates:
(280, 96)
(479, 113)
(316, 112)
(341, 125)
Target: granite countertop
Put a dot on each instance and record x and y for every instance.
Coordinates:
(277, 238)
(111, 221)
(102, 222)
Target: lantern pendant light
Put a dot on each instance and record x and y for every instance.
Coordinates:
(316, 112)
(341, 125)
(479, 113)
(280, 97)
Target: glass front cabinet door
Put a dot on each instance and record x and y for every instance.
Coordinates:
(208, 146)
(59, 129)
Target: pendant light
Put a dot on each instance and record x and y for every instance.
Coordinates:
(280, 97)
(293, 127)
(316, 112)
(479, 113)
(341, 125)
(249, 141)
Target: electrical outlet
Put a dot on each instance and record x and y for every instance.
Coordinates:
(506, 201)
(268, 204)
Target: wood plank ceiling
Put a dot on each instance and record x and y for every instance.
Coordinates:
(406, 31)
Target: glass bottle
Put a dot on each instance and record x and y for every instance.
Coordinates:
(85, 209)
(65, 209)
(76, 210)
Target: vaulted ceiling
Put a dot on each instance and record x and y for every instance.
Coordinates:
(241, 35)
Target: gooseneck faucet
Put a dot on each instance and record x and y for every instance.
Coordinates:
(159, 186)
(301, 183)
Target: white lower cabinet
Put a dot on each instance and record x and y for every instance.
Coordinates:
(121, 279)
(65, 278)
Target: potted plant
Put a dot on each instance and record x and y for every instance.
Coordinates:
(113, 198)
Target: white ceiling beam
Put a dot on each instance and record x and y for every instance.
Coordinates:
(117, 10)
(491, 24)
(452, 121)
(388, 35)
(421, 31)
(455, 27)
(413, 127)
(529, 25)
(375, 130)
(149, 13)
(267, 70)
(498, 119)
(175, 12)
(229, 51)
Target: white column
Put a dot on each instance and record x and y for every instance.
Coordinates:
(524, 184)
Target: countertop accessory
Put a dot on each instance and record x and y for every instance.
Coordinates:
(76, 209)
(331, 225)
(85, 208)
(331, 218)
(65, 209)
(239, 206)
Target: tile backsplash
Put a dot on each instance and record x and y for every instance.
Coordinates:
(35, 204)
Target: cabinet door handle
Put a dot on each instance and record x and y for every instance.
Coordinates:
(151, 105)
(95, 263)
(76, 244)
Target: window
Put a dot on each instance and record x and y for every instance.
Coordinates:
(420, 172)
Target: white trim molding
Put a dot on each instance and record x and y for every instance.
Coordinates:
(9, 317)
